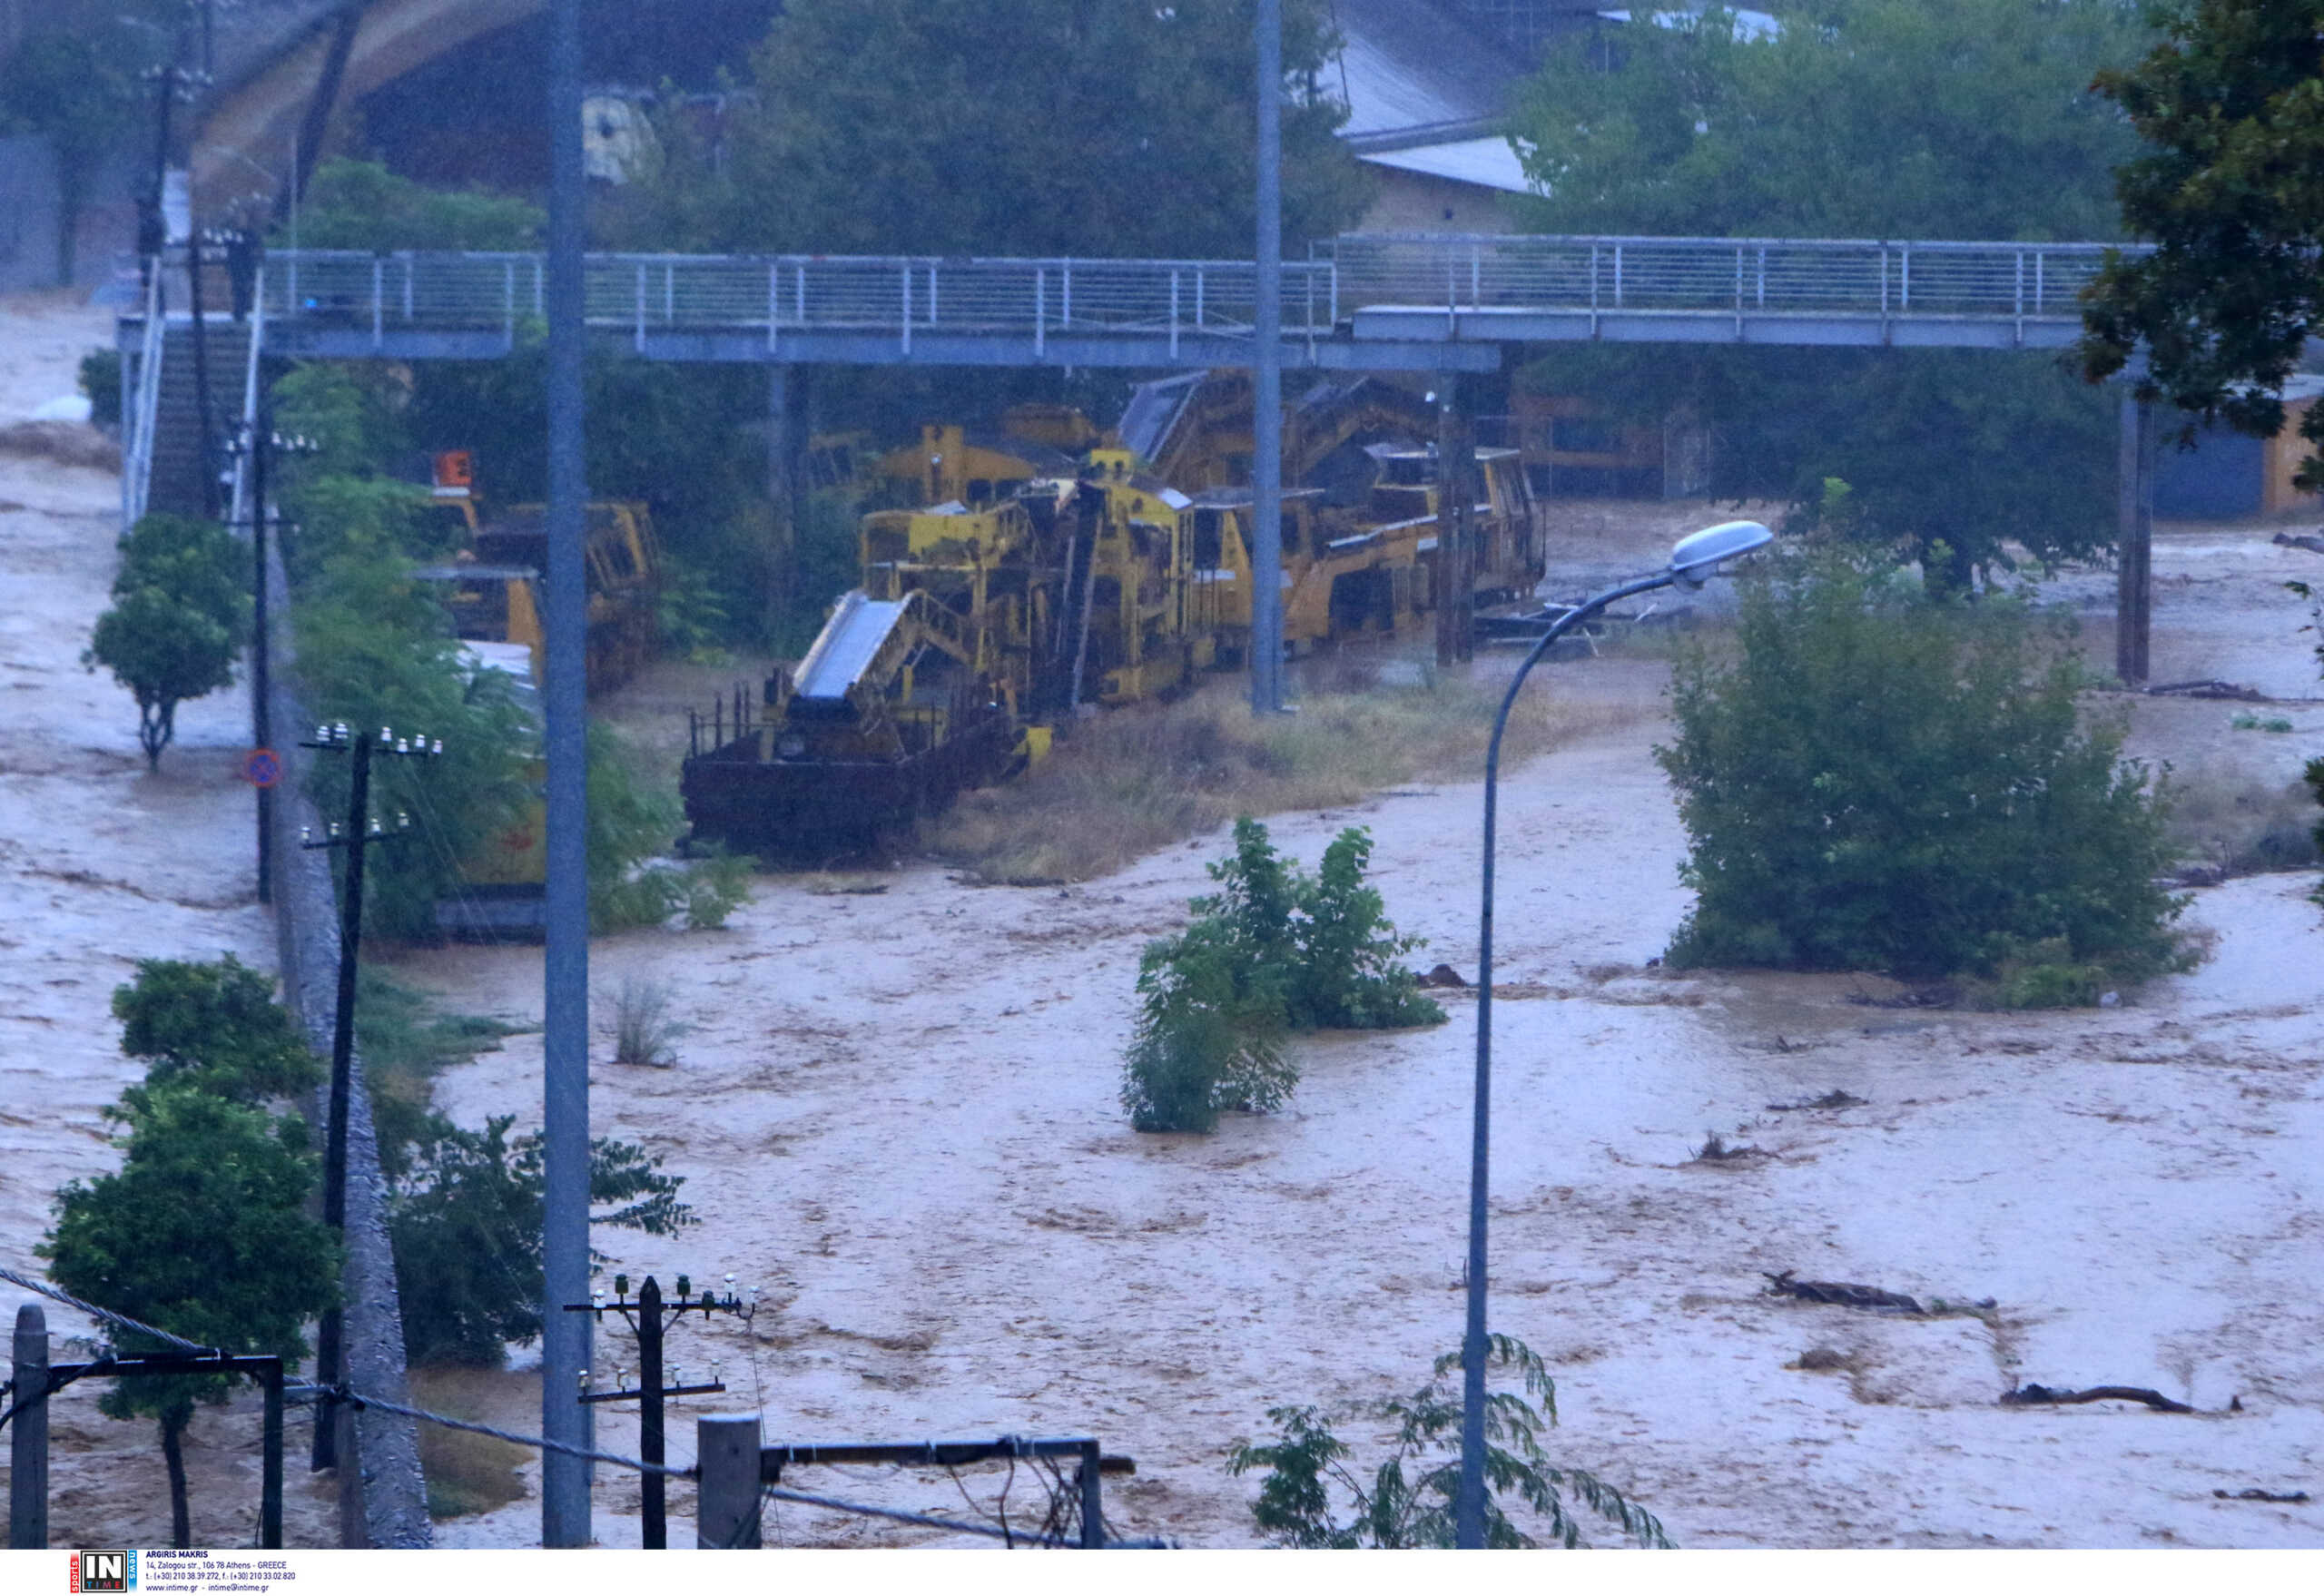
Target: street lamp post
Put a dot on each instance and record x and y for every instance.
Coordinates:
(1692, 562)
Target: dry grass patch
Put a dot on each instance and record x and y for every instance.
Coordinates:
(468, 1474)
(2243, 828)
(1139, 778)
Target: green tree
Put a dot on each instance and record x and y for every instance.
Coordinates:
(181, 607)
(2231, 107)
(1408, 1500)
(197, 562)
(361, 205)
(215, 1027)
(1042, 127)
(1877, 781)
(1863, 119)
(76, 85)
(205, 1233)
(164, 652)
(466, 1219)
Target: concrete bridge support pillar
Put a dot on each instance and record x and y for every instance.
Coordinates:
(786, 476)
(2134, 542)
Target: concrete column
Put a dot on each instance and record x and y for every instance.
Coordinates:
(2134, 541)
(28, 1435)
(785, 482)
(726, 1514)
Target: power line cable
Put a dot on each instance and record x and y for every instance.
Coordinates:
(106, 1316)
(863, 1510)
(360, 1399)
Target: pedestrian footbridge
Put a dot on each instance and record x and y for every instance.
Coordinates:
(1367, 302)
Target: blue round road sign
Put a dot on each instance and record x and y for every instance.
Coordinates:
(263, 768)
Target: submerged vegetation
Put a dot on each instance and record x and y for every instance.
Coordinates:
(1407, 1499)
(1274, 950)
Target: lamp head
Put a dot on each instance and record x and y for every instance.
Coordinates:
(1697, 554)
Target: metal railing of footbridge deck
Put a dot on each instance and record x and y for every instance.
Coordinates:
(1844, 280)
(652, 294)
(1825, 277)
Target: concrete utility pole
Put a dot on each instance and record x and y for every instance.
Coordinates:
(362, 829)
(565, 1085)
(2134, 541)
(28, 1434)
(1266, 380)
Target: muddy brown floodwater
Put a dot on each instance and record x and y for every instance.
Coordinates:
(897, 1116)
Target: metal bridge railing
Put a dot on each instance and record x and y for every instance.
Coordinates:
(1828, 276)
(651, 294)
(909, 296)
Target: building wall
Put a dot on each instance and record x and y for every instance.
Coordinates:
(1414, 202)
(2229, 473)
(29, 213)
(2284, 453)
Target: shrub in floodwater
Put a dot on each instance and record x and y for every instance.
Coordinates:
(1272, 951)
(1881, 780)
(645, 1030)
(1408, 1500)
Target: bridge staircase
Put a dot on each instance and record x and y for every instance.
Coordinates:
(164, 459)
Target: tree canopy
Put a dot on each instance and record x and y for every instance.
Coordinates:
(1865, 119)
(203, 1232)
(1881, 780)
(216, 1026)
(361, 205)
(1039, 127)
(1858, 119)
(2229, 186)
(181, 608)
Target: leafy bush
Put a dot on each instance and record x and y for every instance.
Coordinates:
(406, 1041)
(375, 650)
(215, 1027)
(1880, 781)
(466, 1221)
(361, 205)
(1272, 952)
(100, 378)
(1410, 1498)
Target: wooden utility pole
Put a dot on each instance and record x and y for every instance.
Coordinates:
(649, 1391)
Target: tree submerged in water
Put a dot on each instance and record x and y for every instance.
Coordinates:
(1409, 1498)
(1272, 951)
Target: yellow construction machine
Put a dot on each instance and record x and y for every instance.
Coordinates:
(491, 585)
(1030, 586)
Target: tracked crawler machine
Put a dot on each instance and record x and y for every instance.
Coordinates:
(1032, 588)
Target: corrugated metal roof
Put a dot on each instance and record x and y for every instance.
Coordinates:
(1409, 64)
(1485, 162)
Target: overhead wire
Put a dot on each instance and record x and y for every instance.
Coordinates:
(106, 1316)
(927, 1519)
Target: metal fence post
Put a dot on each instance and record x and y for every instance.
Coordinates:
(270, 1488)
(1093, 1517)
(28, 1441)
(726, 1511)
